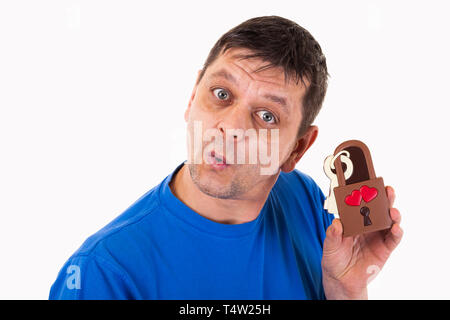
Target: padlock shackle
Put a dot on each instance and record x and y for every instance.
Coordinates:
(367, 156)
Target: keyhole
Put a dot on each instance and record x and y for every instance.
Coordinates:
(365, 212)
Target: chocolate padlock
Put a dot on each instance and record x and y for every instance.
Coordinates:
(361, 199)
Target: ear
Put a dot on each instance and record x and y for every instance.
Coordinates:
(303, 143)
(188, 109)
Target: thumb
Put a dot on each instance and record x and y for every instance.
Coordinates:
(333, 238)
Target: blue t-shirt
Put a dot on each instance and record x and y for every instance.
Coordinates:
(159, 248)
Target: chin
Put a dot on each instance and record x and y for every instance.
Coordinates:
(213, 188)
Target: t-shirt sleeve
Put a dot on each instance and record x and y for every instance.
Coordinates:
(89, 278)
(327, 220)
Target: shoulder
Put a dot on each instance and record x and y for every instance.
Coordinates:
(139, 212)
(299, 183)
(92, 277)
(299, 193)
(98, 269)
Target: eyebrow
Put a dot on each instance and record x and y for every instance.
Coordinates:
(280, 100)
(222, 73)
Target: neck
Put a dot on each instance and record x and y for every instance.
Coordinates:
(228, 211)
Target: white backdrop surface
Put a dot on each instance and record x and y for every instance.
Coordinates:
(92, 95)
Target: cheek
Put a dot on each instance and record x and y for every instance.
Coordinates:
(201, 113)
(201, 100)
(281, 143)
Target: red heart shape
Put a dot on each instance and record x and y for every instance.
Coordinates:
(368, 194)
(354, 199)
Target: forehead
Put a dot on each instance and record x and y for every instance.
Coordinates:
(256, 70)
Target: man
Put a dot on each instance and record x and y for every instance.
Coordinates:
(222, 229)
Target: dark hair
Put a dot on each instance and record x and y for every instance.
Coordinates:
(282, 43)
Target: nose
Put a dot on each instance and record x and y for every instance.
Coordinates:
(234, 122)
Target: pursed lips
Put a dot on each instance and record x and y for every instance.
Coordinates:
(219, 159)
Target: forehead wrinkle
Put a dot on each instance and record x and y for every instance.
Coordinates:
(258, 80)
(247, 55)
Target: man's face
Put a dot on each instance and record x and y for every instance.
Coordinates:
(231, 96)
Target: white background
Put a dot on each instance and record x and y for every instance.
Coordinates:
(92, 95)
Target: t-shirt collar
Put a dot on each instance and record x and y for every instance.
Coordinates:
(177, 208)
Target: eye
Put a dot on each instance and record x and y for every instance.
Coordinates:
(221, 93)
(266, 116)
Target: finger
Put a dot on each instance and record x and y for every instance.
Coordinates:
(394, 237)
(338, 229)
(395, 215)
(333, 237)
(391, 195)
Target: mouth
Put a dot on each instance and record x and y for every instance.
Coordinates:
(217, 161)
